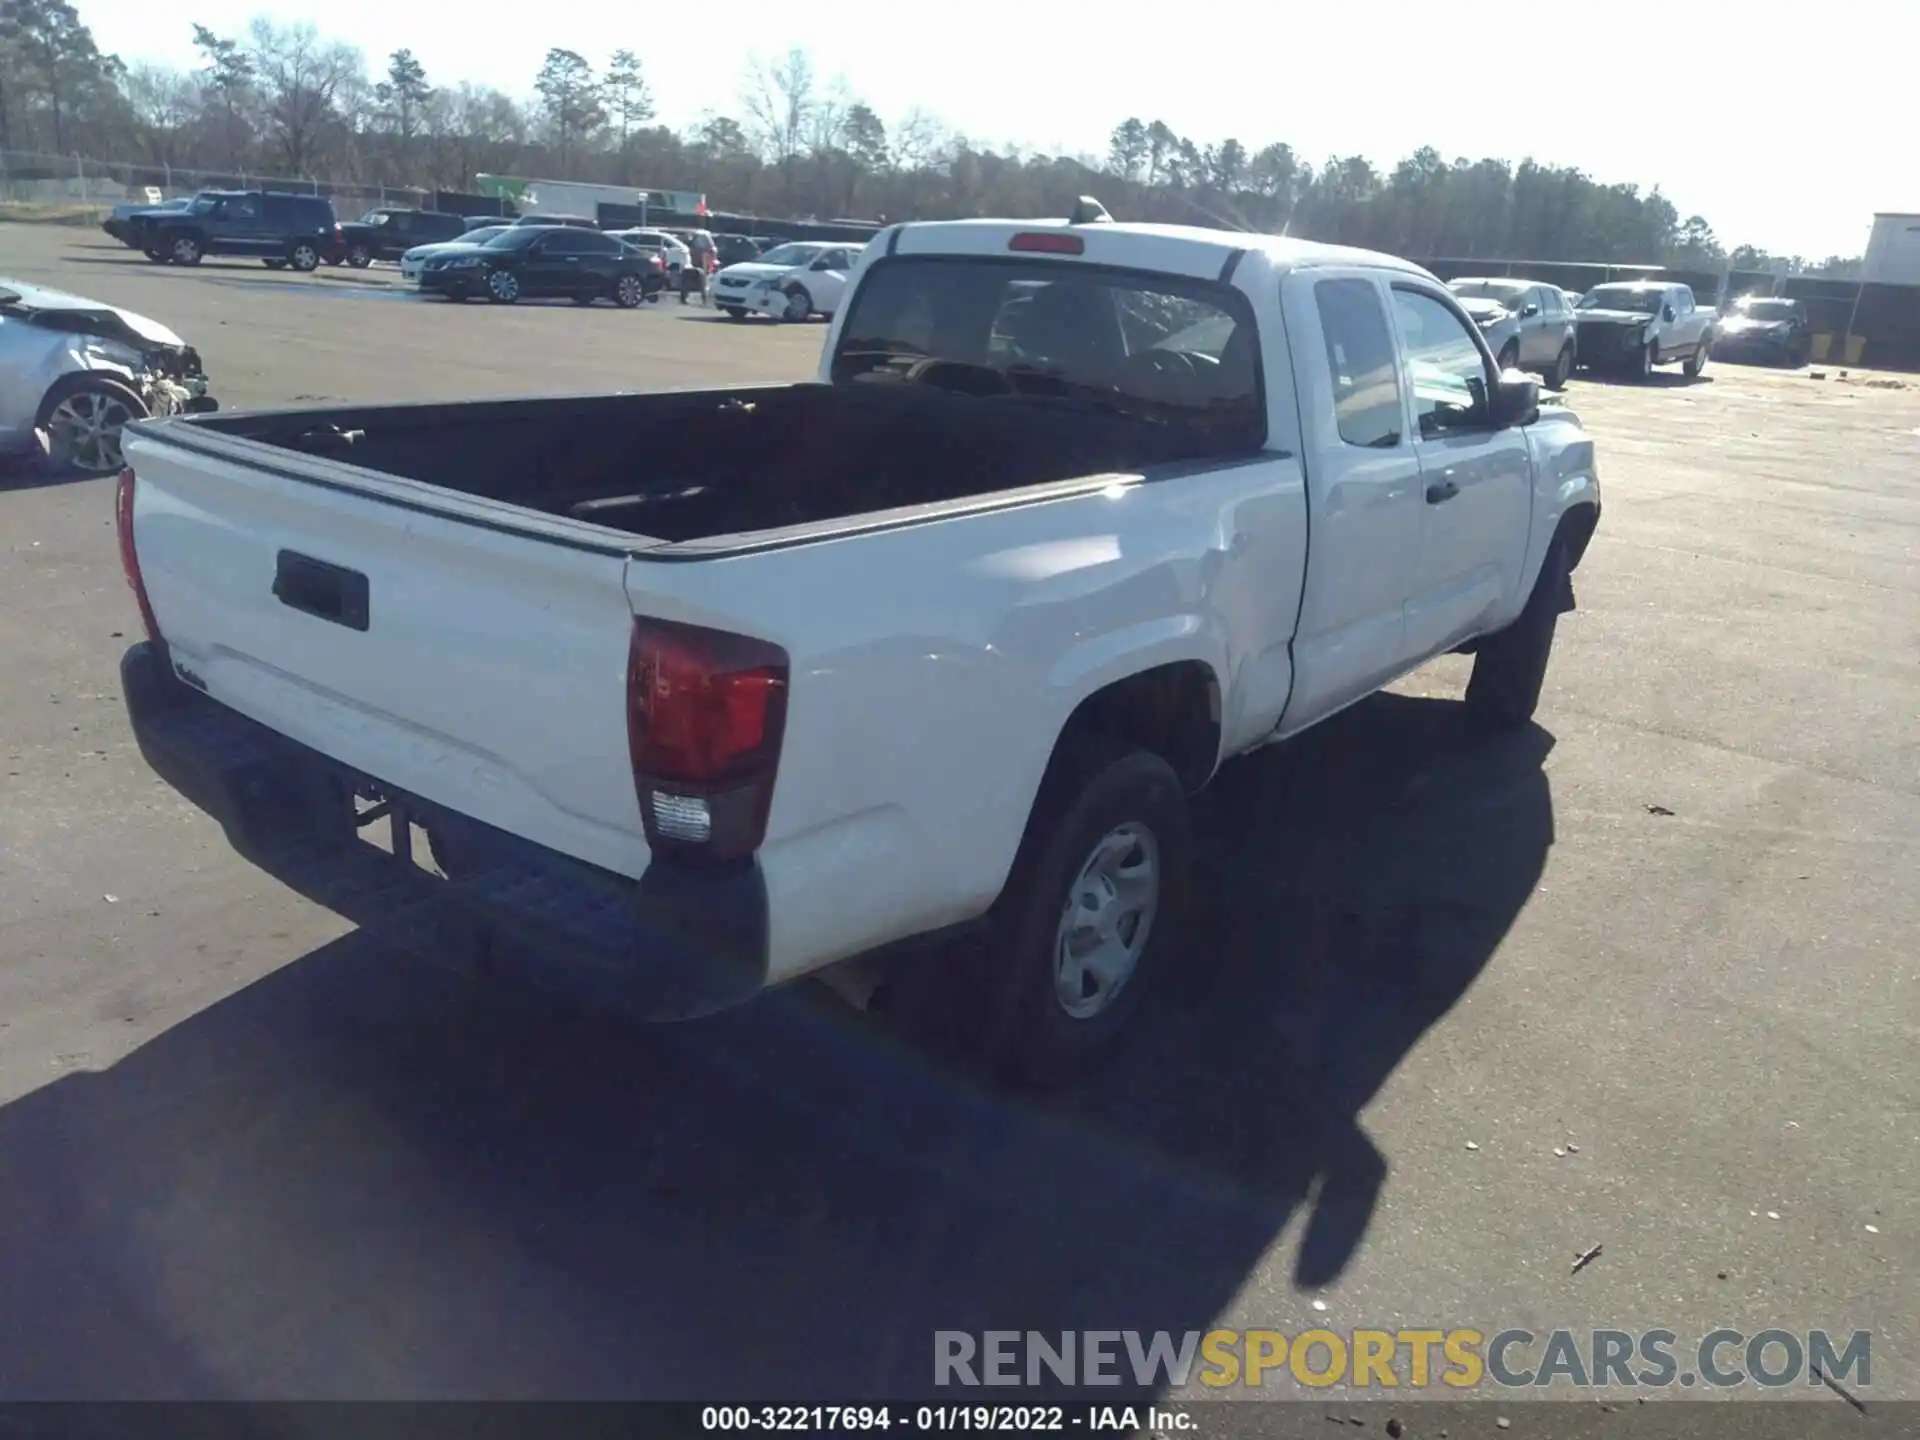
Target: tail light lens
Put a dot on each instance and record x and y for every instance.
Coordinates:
(129, 555)
(706, 713)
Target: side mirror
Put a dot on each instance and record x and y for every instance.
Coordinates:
(1666, 312)
(1516, 400)
(820, 264)
(1527, 312)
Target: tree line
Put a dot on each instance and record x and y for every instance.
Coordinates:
(285, 101)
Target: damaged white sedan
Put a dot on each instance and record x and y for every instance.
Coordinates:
(74, 372)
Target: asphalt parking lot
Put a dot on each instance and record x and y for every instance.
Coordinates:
(1643, 979)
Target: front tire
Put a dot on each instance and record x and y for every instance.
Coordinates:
(1697, 361)
(83, 417)
(503, 287)
(799, 305)
(1509, 357)
(1094, 903)
(1562, 368)
(1510, 667)
(359, 257)
(185, 250)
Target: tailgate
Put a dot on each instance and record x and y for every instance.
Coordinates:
(474, 666)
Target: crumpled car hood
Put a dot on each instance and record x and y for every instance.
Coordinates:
(23, 301)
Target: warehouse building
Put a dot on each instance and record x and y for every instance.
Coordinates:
(1893, 250)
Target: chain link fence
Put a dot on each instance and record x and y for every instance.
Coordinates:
(76, 182)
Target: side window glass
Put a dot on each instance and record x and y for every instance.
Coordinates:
(1366, 382)
(244, 208)
(1445, 369)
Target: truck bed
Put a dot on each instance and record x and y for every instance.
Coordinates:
(693, 465)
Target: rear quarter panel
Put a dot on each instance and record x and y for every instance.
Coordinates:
(934, 666)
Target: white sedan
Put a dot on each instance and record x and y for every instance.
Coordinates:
(674, 255)
(75, 372)
(414, 260)
(794, 281)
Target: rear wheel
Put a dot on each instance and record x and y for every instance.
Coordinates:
(304, 256)
(1562, 368)
(629, 291)
(1093, 904)
(1510, 667)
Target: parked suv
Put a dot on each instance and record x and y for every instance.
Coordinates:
(281, 229)
(1529, 326)
(389, 232)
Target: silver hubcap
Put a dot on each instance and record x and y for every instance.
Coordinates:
(85, 430)
(185, 250)
(1107, 921)
(798, 307)
(504, 285)
(629, 288)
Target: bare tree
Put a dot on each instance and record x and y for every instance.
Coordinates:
(299, 77)
(779, 103)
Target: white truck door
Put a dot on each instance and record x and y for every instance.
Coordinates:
(1363, 477)
(1476, 480)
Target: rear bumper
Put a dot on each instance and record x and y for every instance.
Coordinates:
(674, 944)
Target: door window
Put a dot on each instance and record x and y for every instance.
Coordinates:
(1446, 369)
(1366, 383)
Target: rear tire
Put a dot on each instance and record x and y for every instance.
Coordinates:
(1103, 870)
(1562, 368)
(1510, 667)
(304, 256)
(629, 291)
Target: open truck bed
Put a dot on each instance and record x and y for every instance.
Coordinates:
(693, 466)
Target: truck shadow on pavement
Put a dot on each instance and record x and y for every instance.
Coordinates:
(361, 1176)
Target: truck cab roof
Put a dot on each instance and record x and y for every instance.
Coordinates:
(1176, 249)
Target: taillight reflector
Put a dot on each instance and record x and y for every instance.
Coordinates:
(129, 555)
(706, 712)
(1048, 242)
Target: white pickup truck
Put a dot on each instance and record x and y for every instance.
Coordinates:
(1632, 326)
(693, 693)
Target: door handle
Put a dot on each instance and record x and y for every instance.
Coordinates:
(1441, 491)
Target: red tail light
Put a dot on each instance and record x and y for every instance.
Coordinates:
(706, 712)
(129, 556)
(1048, 242)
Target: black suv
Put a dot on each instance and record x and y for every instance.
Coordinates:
(388, 233)
(280, 229)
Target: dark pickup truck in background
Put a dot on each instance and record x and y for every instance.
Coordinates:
(388, 232)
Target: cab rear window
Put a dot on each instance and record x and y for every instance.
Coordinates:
(1158, 348)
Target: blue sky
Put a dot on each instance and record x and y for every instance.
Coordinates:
(1769, 120)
